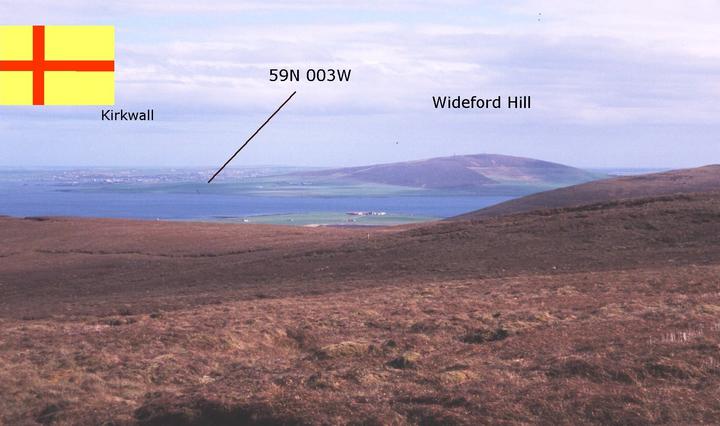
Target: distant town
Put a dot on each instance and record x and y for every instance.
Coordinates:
(367, 213)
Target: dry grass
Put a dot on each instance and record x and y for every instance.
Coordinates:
(625, 347)
(608, 314)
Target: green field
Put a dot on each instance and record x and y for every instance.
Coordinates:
(330, 219)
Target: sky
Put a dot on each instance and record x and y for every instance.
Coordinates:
(616, 83)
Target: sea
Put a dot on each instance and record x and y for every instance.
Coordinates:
(239, 195)
(185, 195)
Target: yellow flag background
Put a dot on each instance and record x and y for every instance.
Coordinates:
(68, 65)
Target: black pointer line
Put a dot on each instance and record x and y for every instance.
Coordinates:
(251, 137)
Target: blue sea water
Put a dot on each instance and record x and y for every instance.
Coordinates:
(186, 206)
(48, 193)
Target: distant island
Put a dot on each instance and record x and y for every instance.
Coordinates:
(481, 172)
(406, 192)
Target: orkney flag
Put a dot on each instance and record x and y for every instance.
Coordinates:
(57, 65)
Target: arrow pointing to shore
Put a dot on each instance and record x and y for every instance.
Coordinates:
(251, 137)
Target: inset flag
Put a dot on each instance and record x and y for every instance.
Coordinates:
(57, 65)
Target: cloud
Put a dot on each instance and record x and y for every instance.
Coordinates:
(27, 11)
(612, 63)
(397, 67)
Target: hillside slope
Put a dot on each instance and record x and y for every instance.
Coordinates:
(685, 181)
(104, 264)
(597, 314)
(462, 172)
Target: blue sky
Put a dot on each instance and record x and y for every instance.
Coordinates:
(614, 83)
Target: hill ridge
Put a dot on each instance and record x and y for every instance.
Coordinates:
(472, 171)
(681, 181)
